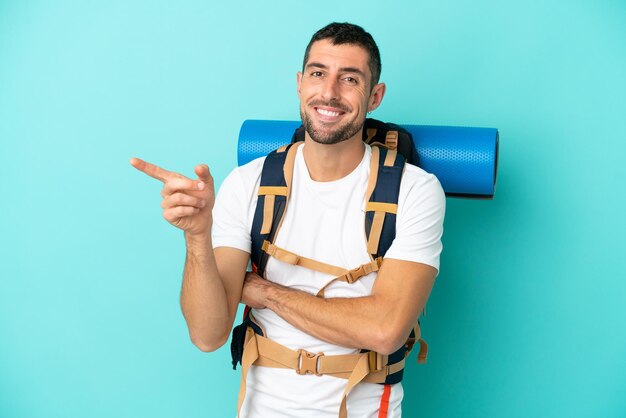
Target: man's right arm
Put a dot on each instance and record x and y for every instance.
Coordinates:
(211, 291)
(212, 279)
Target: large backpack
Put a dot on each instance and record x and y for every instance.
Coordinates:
(392, 146)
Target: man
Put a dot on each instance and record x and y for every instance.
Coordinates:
(324, 221)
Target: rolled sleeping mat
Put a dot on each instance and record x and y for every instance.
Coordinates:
(464, 159)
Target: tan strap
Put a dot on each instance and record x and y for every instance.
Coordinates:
(359, 367)
(290, 162)
(353, 275)
(268, 213)
(371, 183)
(379, 217)
(272, 190)
(423, 353)
(375, 231)
(361, 370)
(381, 207)
(390, 158)
(250, 355)
(391, 140)
(363, 373)
(273, 354)
(288, 175)
(297, 260)
(342, 274)
(269, 353)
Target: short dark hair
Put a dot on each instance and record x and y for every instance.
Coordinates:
(348, 33)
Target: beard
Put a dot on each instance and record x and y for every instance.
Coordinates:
(339, 134)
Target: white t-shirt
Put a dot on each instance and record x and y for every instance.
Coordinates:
(324, 221)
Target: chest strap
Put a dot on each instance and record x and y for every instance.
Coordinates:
(342, 274)
(368, 367)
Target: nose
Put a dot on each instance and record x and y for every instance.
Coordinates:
(330, 89)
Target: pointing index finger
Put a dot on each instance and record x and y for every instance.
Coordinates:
(152, 170)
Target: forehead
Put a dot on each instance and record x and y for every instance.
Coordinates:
(339, 56)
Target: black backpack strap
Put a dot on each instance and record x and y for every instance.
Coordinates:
(393, 136)
(273, 196)
(381, 209)
(381, 205)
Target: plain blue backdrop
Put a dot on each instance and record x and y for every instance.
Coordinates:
(527, 315)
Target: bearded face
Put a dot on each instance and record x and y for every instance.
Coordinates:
(329, 133)
(335, 92)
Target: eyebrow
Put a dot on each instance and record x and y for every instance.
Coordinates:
(342, 69)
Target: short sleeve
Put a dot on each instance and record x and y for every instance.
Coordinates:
(234, 207)
(419, 223)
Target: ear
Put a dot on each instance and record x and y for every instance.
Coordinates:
(376, 96)
(299, 79)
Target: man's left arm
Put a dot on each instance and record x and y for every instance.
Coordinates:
(380, 322)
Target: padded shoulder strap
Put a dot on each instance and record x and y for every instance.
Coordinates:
(273, 196)
(381, 205)
(381, 208)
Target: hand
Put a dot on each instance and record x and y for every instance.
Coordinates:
(187, 203)
(254, 288)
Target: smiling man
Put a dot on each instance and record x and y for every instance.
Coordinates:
(316, 343)
(340, 116)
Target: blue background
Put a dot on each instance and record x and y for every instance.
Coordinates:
(527, 316)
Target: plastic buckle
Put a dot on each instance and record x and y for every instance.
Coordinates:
(355, 274)
(375, 361)
(379, 261)
(308, 363)
(392, 140)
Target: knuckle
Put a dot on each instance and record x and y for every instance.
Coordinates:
(169, 202)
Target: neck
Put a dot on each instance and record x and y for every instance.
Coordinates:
(332, 162)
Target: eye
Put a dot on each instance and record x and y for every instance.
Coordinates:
(316, 74)
(351, 80)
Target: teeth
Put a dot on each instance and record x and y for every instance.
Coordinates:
(327, 112)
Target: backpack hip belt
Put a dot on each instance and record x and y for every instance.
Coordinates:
(368, 366)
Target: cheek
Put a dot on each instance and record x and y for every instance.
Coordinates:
(359, 96)
(363, 102)
(306, 91)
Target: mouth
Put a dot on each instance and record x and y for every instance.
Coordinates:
(328, 114)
